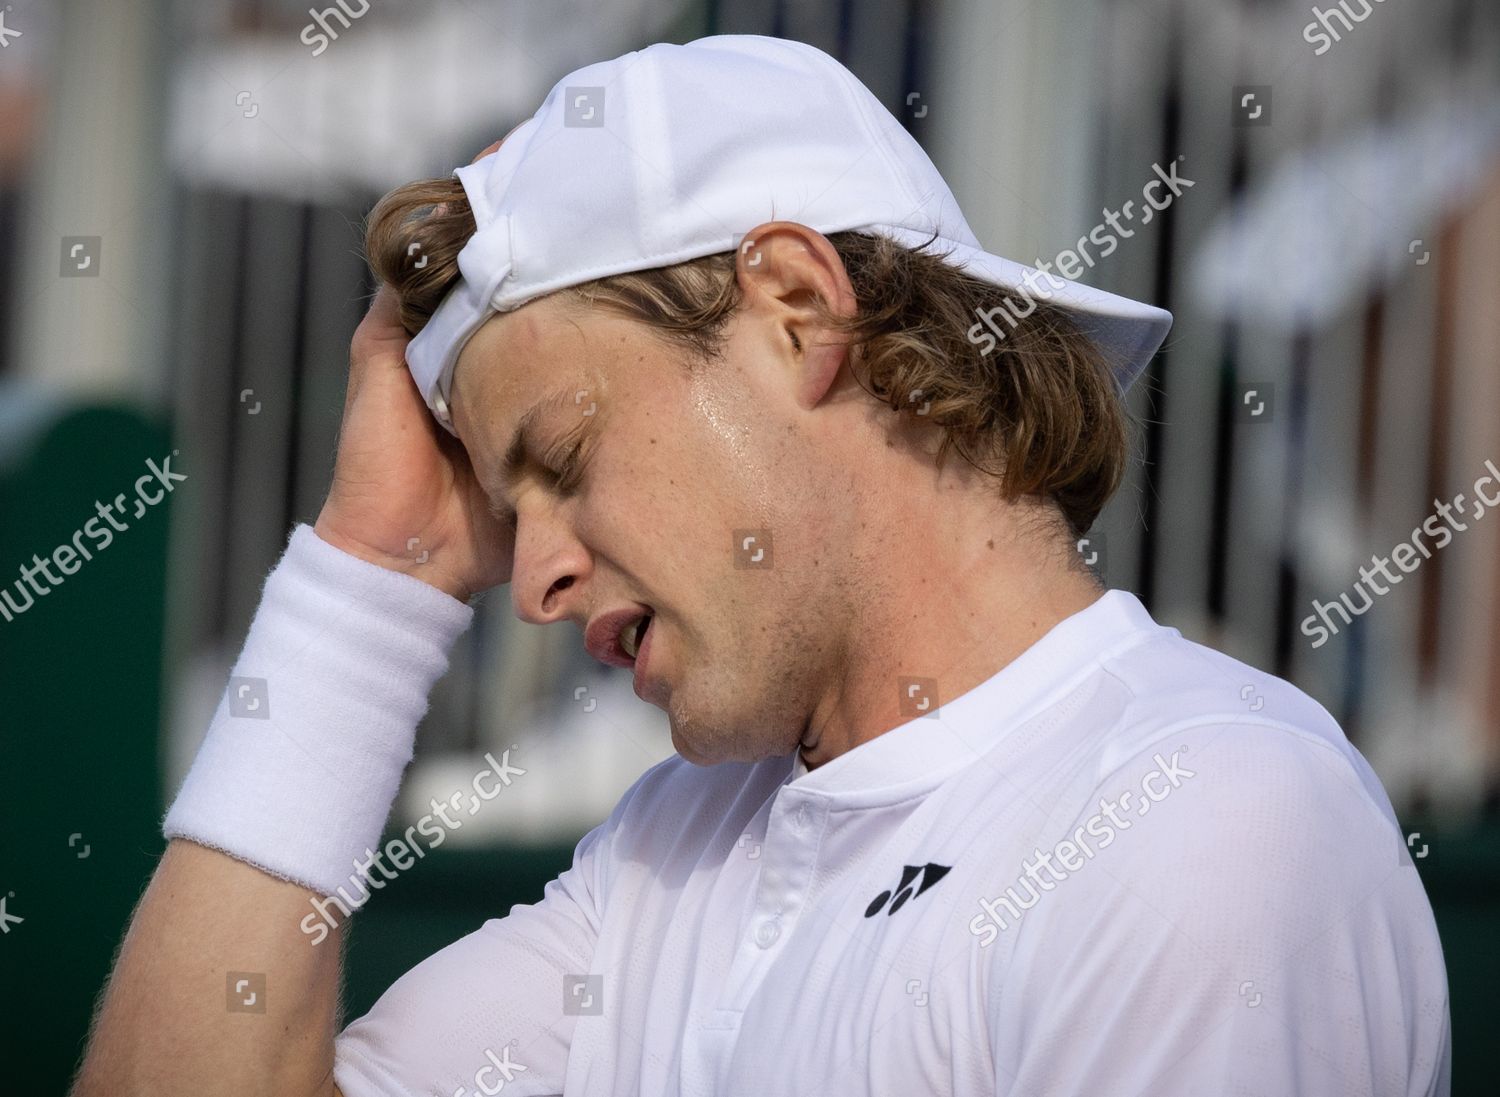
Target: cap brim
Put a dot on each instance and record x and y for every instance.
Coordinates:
(1130, 332)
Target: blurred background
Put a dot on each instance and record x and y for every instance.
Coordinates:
(182, 188)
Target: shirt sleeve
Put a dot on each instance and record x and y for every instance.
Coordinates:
(487, 1010)
(1256, 930)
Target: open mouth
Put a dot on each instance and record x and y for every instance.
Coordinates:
(618, 637)
(634, 634)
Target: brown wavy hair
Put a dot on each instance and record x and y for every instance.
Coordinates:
(1041, 412)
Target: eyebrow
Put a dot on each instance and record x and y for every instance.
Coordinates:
(521, 439)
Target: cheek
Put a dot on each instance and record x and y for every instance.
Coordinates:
(645, 507)
(732, 435)
(658, 519)
(696, 458)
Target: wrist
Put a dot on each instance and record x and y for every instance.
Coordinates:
(302, 761)
(419, 566)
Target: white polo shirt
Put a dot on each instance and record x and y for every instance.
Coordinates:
(1125, 864)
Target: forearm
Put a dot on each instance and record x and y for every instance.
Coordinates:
(294, 782)
(216, 989)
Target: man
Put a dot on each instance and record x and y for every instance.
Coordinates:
(702, 373)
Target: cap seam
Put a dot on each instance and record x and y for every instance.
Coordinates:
(861, 105)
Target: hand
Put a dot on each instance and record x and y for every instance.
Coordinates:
(403, 489)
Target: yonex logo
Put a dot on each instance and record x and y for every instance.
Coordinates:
(930, 873)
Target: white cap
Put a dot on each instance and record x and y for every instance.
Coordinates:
(673, 152)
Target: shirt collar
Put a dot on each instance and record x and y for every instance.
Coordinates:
(926, 749)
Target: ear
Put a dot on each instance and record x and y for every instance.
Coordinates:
(784, 270)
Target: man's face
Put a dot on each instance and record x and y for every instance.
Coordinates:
(640, 474)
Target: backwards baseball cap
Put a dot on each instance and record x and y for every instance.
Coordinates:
(673, 152)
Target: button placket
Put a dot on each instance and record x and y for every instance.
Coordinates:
(783, 885)
(785, 867)
(802, 818)
(768, 932)
(787, 859)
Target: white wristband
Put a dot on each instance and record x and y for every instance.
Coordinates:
(301, 765)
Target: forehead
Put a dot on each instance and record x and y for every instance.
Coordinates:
(525, 367)
(500, 367)
(513, 370)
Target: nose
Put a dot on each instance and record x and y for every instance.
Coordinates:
(551, 566)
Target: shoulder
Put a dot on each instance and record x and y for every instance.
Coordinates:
(1170, 681)
(1250, 728)
(1259, 766)
(1201, 793)
(1238, 817)
(1236, 872)
(1237, 880)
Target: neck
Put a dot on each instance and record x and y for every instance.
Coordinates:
(962, 601)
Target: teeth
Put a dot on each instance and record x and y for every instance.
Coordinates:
(631, 634)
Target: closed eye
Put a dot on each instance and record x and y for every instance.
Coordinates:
(561, 468)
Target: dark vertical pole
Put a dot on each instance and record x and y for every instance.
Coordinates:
(1162, 287)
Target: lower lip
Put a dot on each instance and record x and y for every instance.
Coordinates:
(640, 659)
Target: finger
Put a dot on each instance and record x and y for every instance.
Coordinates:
(492, 147)
(378, 336)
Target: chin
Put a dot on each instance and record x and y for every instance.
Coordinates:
(688, 754)
(695, 748)
(712, 749)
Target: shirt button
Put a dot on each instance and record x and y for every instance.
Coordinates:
(799, 818)
(767, 934)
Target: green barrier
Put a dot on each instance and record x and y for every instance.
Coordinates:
(80, 709)
(1461, 871)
